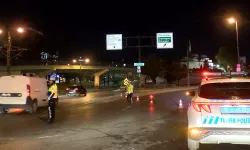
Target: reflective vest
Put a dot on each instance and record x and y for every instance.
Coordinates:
(53, 92)
(130, 88)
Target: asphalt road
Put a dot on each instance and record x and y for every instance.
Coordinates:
(85, 125)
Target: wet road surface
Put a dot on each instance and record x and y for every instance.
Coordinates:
(83, 124)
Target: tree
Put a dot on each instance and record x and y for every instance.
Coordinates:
(176, 71)
(227, 57)
(205, 65)
(152, 67)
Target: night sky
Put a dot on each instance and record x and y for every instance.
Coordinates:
(77, 28)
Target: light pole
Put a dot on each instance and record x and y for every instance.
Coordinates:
(80, 60)
(231, 21)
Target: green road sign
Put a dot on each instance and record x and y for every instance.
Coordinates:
(164, 39)
(138, 64)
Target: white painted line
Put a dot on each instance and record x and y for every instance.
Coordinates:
(43, 137)
(126, 108)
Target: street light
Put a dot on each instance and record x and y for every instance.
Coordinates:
(20, 30)
(74, 61)
(231, 21)
(1, 31)
(87, 60)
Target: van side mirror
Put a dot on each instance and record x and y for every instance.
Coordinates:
(190, 93)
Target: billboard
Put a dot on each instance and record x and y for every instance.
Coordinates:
(114, 41)
(164, 40)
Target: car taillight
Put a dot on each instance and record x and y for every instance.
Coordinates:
(206, 108)
(198, 107)
(205, 73)
(28, 90)
(67, 89)
(76, 89)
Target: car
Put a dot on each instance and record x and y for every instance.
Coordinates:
(220, 110)
(24, 93)
(76, 90)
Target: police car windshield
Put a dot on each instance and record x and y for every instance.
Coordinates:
(225, 90)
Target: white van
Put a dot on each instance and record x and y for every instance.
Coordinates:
(22, 92)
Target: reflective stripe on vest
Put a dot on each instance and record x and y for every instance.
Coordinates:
(53, 89)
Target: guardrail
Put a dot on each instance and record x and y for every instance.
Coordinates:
(24, 63)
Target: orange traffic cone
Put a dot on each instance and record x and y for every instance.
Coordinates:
(180, 104)
(137, 98)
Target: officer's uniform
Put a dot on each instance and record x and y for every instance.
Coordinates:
(52, 98)
(130, 90)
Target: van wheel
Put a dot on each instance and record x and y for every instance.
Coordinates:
(3, 111)
(33, 108)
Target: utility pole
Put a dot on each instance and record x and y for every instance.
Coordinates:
(9, 46)
(139, 59)
(139, 46)
(188, 50)
(188, 83)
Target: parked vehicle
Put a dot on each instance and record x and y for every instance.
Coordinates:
(22, 92)
(76, 90)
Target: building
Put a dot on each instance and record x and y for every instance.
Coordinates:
(196, 61)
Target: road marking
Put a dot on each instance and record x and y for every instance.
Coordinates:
(43, 137)
(126, 108)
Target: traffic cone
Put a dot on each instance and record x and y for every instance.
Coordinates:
(180, 104)
(137, 98)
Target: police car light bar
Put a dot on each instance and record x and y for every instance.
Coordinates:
(214, 74)
(234, 73)
(218, 74)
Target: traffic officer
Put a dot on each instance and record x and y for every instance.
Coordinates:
(130, 90)
(52, 98)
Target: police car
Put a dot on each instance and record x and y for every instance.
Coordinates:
(220, 110)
